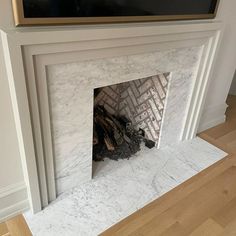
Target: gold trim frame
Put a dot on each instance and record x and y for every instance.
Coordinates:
(20, 20)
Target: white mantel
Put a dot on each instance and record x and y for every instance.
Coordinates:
(36, 49)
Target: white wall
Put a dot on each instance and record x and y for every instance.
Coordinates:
(6, 16)
(224, 68)
(9, 150)
(13, 194)
(11, 176)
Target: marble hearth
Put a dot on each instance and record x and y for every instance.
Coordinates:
(53, 73)
(118, 189)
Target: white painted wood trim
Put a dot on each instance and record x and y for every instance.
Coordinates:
(16, 80)
(15, 200)
(79, 33)
(14, 210)
(65, 45)
(36, 126)
(10, 189)
(202, 83)
(43, 97)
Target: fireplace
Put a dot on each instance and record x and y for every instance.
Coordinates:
(127, 115)
(71, 102)
(56, 90)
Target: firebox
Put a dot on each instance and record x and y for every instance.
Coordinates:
(128, 114)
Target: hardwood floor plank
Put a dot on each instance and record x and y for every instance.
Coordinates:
(227, 214)
(221, 130)
(171, 231)
(230, 229)
(226, 139)
(208, 228)
(232, 146)
(195, 208)
(215, 142)
(17, 226)
(3, 228)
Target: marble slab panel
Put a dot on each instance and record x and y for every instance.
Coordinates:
(71, 88)
(120, 188)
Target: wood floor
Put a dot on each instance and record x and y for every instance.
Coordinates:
(205, 205)
(15, 227)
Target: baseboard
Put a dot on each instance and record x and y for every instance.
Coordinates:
(13, 200)
(212, 116)
(14, 210)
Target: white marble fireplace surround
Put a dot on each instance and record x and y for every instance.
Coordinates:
(70, 89)
(47, 67)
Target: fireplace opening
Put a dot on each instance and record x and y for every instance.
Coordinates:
(127, 115)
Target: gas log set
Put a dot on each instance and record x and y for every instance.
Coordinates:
(115, 137)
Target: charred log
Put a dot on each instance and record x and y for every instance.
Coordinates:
(115, 137)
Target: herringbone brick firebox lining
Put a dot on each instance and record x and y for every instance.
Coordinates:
(142, 101)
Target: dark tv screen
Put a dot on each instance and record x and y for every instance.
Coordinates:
(116, 8)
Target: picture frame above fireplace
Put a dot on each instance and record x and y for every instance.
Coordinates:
(61, 12)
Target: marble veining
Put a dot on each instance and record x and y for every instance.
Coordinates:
(71, 87)
(119, 188)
